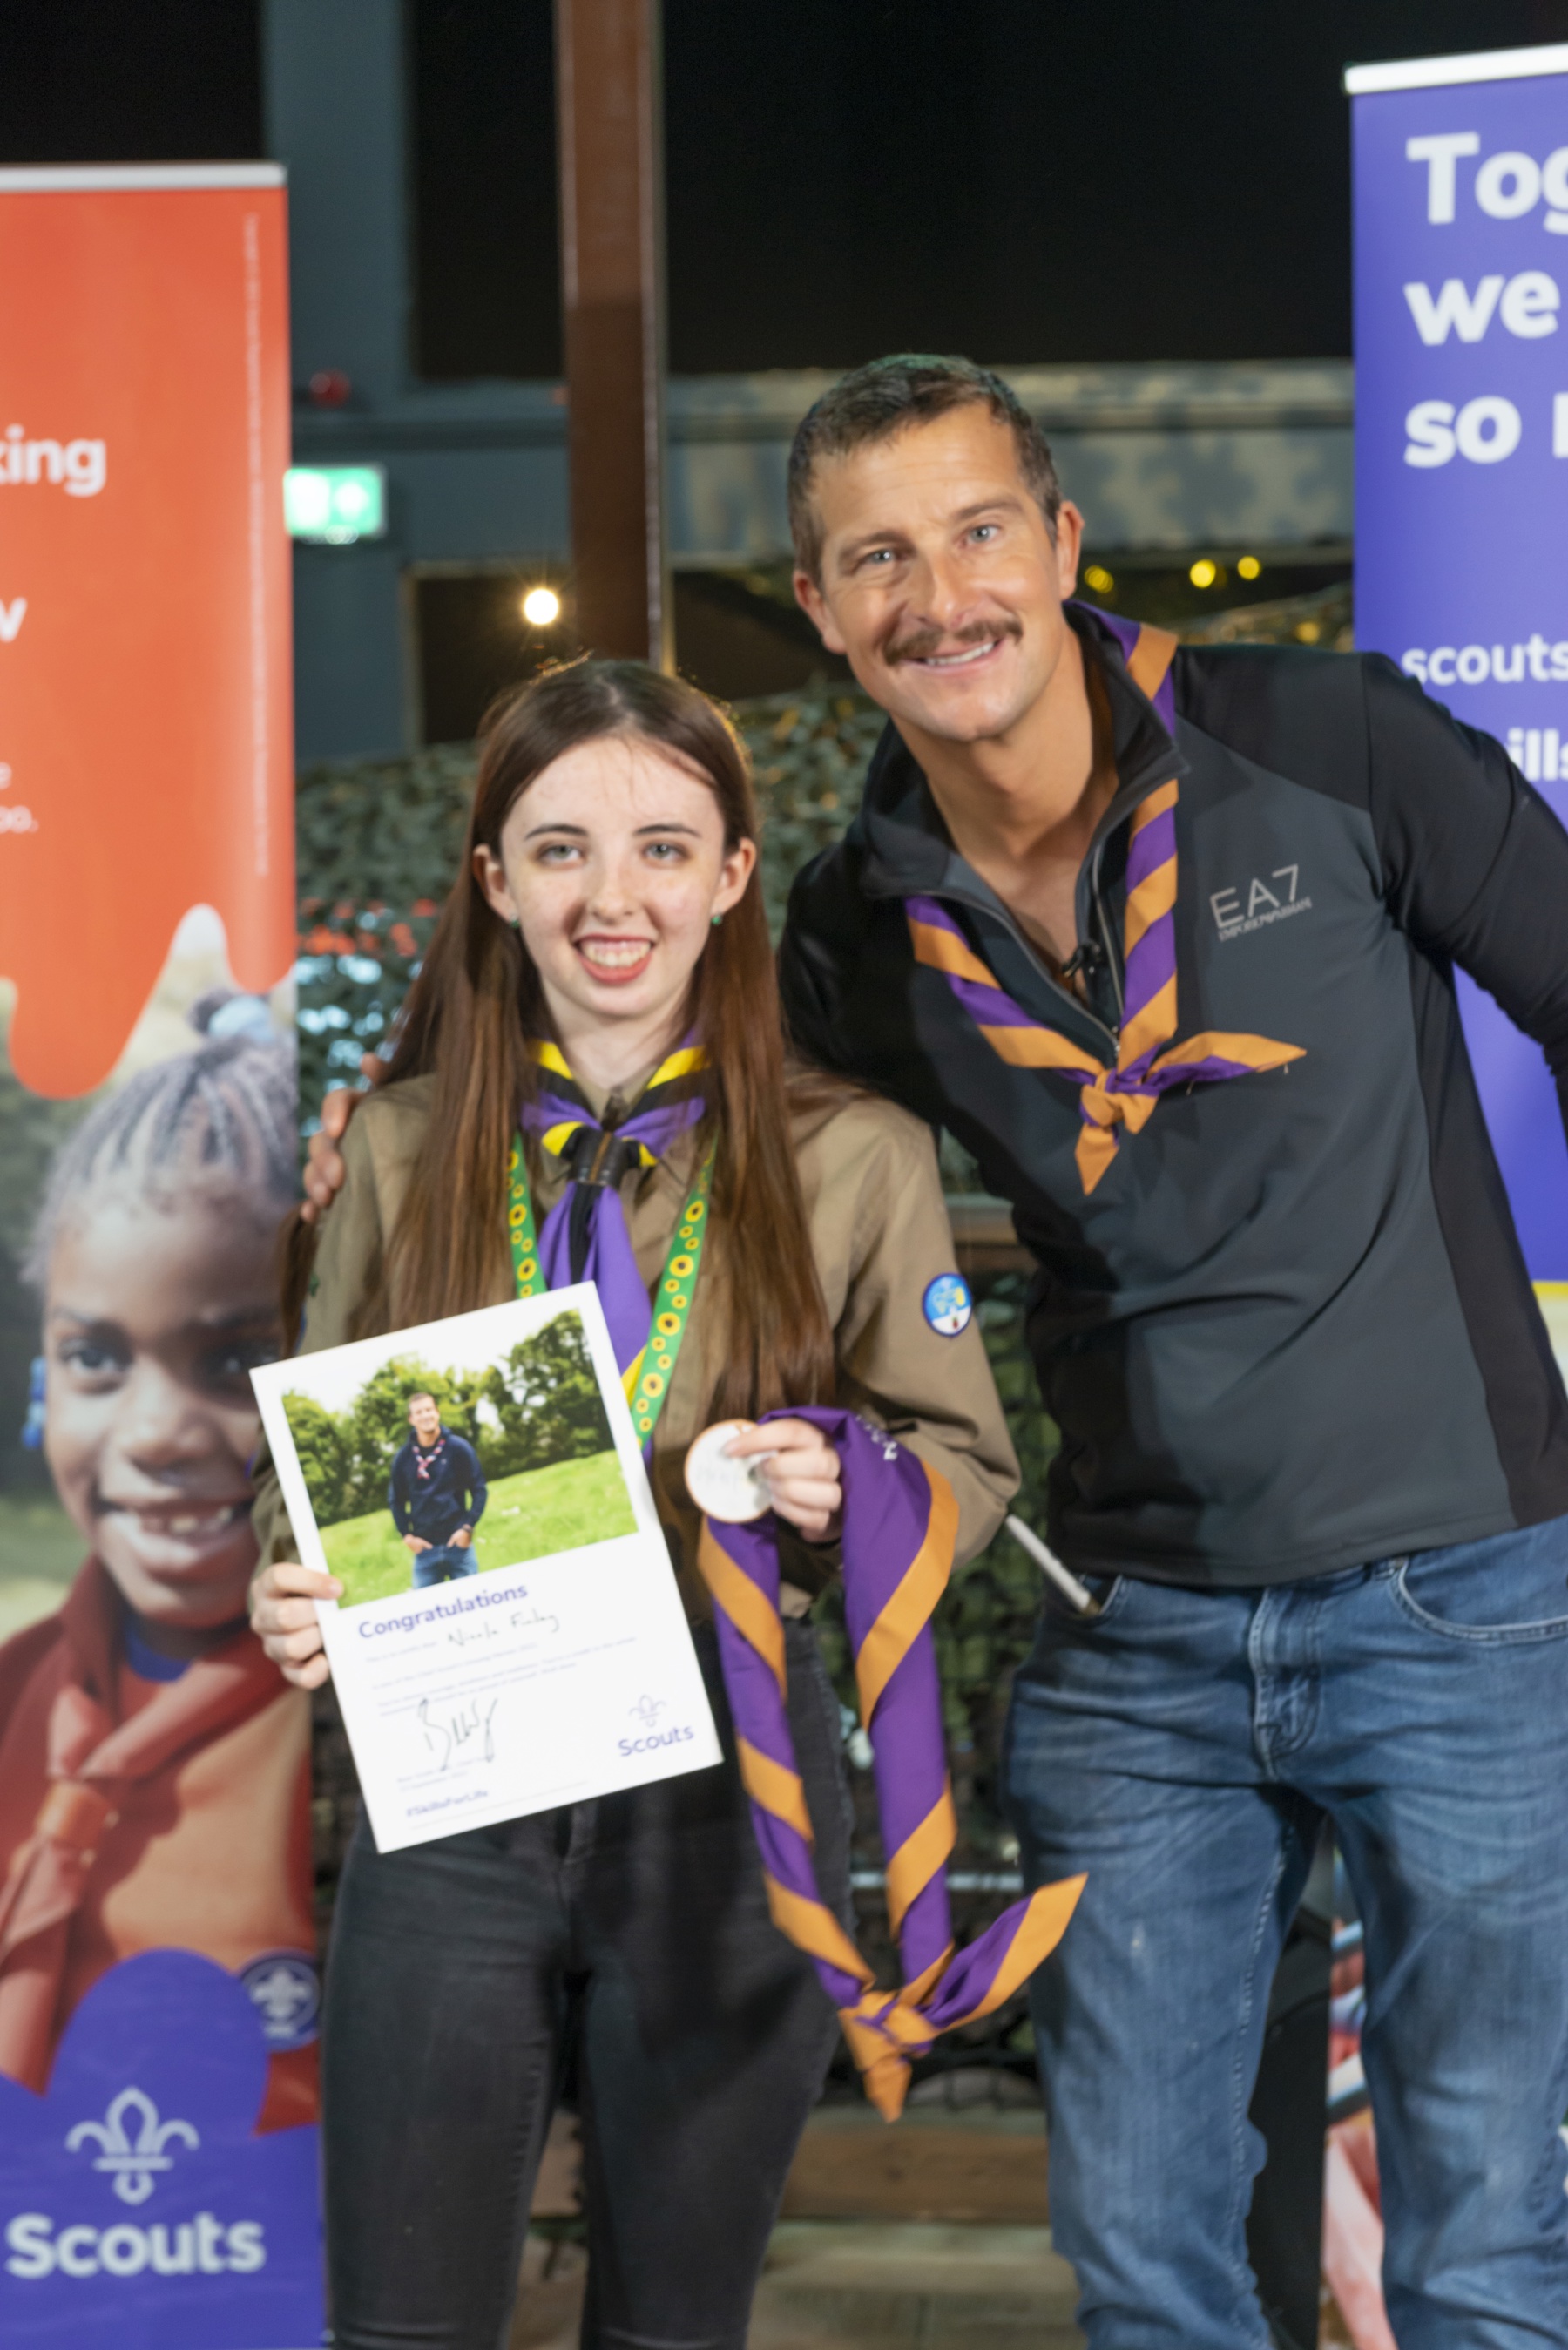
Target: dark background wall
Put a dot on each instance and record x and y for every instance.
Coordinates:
(128, 81)
(1028, 180)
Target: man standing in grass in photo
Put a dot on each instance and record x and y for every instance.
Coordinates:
(436, 1494)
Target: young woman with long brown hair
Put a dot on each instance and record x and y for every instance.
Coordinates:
(605, 945)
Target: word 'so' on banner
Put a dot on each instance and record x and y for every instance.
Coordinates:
(159, 1990)
(1461, 467)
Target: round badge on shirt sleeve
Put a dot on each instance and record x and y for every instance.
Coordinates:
(286, 1991)
(734, 1491)
(946, 1304)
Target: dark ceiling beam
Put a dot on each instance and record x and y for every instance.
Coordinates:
(609, 112)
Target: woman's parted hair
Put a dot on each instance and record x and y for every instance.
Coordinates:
(477, 1002)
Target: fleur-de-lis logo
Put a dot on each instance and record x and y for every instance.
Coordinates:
(131, 2161)
(285, 1991)
(647, 1711)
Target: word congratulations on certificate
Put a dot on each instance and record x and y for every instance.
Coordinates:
(510, 1636)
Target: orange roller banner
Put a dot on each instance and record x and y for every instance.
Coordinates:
(145, 704)
(159, 1983)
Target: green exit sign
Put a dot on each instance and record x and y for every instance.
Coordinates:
(332, 505)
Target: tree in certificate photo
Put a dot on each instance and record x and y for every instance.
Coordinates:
(432, 1472)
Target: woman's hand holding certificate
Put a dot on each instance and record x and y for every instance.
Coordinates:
(283, 1613)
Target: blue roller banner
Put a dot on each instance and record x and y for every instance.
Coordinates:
(1462, 469)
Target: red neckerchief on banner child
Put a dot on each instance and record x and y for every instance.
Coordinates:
(900, 1520)
(94, 1759)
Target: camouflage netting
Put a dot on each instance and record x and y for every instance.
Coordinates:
(1322, 619)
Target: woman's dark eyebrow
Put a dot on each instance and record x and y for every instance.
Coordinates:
(579, 832)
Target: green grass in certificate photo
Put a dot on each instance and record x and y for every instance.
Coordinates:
(563, 1507)
(532, 1420)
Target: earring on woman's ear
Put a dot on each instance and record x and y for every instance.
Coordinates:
(514, 921)
(717, 919)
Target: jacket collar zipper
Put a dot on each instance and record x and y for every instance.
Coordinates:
(1096, 932)
(993, 907)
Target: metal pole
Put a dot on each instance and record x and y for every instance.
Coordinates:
(608, 113)
(1047, 1560)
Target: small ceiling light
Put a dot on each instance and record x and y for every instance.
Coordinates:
(1203, 573)
(1248, 566)
(1098, 578)
(540, 608)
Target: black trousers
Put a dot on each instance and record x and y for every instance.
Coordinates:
(459, 1973)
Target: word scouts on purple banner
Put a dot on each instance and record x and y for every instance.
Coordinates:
(140, 2208)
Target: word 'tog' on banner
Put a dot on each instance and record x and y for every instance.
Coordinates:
(1461, 468)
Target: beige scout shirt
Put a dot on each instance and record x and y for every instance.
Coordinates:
(881, 1233)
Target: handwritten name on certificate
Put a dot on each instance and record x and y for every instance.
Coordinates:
(510, 1636)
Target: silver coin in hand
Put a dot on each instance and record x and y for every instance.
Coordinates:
(734, 1491)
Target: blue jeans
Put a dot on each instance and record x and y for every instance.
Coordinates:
(443, 1563)
(1183, 1747)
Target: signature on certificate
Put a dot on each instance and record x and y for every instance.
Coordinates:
(535, 1621)
(478, 1636)
(467, 1726)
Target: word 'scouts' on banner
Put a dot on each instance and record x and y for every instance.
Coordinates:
(145, 707)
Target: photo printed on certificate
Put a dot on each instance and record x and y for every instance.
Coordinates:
(510, 1636)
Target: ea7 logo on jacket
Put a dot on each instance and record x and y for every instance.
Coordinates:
(1264, 903)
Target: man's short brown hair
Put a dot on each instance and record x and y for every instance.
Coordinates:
(873, 402)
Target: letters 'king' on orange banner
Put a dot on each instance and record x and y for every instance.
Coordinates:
(145, 701)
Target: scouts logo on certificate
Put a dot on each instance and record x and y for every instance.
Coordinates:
(946, 1304)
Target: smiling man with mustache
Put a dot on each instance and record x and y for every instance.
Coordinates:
(1166, 938)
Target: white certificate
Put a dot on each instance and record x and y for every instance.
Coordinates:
(510, 1636)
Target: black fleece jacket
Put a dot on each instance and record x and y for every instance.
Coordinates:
(1290, 1330)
